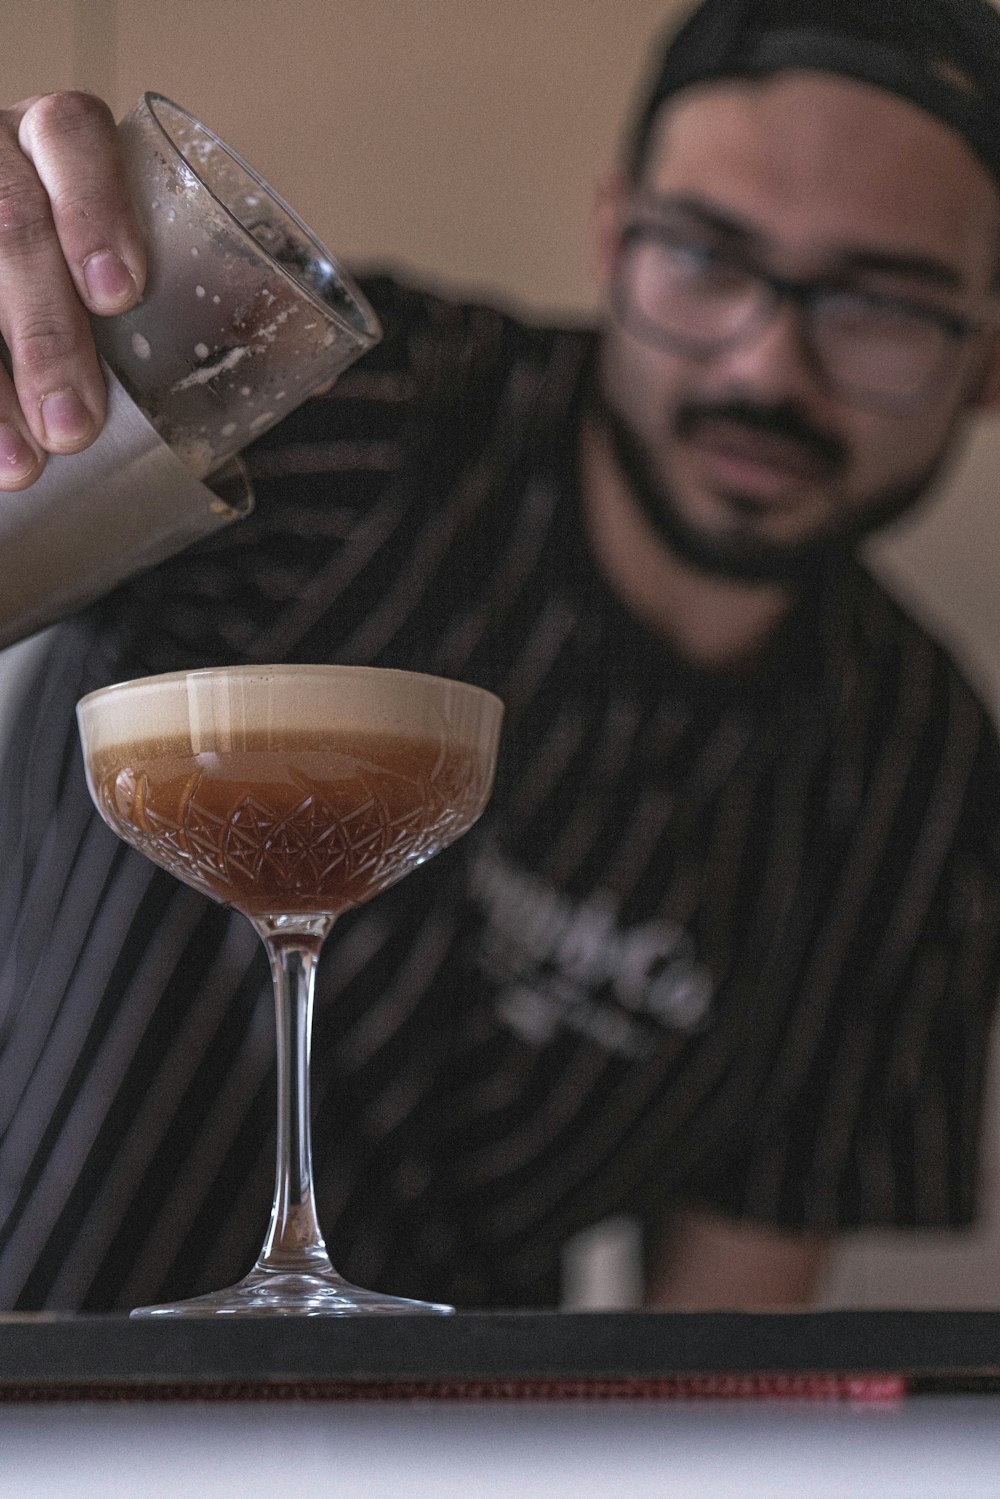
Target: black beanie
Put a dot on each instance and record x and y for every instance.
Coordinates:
(942, 55)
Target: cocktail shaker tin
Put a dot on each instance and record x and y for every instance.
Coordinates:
(95, 518)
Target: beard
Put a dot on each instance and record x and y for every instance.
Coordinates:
(743, 557)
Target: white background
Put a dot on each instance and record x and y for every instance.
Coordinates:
(928, 1448)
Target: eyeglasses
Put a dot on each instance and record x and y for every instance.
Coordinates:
(697, 300)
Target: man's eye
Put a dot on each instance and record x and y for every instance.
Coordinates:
(704, 263)
(687, 251)
(881, 314)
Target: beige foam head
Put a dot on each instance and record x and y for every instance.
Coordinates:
(218, 708)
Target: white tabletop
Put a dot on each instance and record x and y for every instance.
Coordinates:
(927, 1447)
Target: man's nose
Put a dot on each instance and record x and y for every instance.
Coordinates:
(773, 359)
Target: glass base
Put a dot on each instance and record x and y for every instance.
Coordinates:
(272, 1293)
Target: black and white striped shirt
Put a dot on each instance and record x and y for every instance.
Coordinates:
(723, 939)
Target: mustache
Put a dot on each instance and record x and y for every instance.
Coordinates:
(781, 419)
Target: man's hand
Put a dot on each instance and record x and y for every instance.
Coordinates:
(69, 246)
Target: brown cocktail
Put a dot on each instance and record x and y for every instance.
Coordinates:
(291, 793)
(289, 822)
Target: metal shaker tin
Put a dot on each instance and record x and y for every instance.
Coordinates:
(95, 518)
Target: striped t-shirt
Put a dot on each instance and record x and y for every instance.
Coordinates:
(728, 939)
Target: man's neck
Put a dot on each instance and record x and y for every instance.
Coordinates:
(713, 622)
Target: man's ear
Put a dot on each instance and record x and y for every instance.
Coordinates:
(609, 210)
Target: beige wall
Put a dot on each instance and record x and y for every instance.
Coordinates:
(38, 44)
(463, 138)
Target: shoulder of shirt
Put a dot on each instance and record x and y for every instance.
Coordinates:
(430, 323)
(442, 357)
(892, 632)
(440, 352)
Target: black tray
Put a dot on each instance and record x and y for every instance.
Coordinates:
(500, 1355)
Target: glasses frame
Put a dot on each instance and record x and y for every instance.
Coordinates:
(806, 294)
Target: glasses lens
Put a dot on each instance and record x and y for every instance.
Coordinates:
(878, 346)
(684, 296)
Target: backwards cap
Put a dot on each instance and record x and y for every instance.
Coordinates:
(942, 55)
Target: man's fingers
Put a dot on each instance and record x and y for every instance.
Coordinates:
(72, 142)
(45, 327)
(21, 457)
(69, 245)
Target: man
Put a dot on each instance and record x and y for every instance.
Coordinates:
(724, 951)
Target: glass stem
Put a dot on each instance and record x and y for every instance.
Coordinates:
(294, 1242)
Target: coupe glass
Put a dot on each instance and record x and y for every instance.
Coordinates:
(290, 793)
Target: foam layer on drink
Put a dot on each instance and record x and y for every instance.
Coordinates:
(221, 709)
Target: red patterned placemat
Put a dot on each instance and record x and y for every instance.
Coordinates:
(878, 1389)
